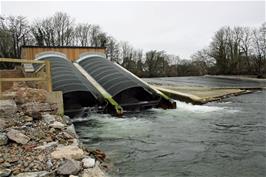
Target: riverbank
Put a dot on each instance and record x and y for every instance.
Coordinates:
(35, 141)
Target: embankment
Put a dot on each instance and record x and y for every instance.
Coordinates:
(35, 142)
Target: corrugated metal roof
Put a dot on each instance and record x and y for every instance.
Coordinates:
(66, 78)
(109, 76)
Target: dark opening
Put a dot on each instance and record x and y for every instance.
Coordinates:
(136, 98)
(74, 102)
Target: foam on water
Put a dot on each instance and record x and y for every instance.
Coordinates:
(197, 108)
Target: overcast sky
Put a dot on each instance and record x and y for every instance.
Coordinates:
(180, 28)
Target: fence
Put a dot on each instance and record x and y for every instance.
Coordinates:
(43, 73)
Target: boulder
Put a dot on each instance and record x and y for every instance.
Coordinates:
(8, 107)
(3, 139)
(3, 123)
(5, 172)
(71, 130)
(68, 152)
(17, 136)
(93, 172)
(24, 95)
(28, 118)
(57, 125)
(88, 162)
(66, 135)
(69, 167)
(31, 107)
(48, 118)
(67, 120)
(47, 145)
(36, 174)
(75, 142)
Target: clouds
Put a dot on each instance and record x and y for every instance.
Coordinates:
(180, 28)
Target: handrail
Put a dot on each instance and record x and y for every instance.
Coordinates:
(46, 77)
(15, 60)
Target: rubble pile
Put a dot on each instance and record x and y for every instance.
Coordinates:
(35, 142)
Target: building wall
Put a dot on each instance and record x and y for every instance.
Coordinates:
(72, 53)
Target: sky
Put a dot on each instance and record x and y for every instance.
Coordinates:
(180, 28)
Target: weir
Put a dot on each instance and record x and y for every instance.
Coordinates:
(78, 92)
(126, 89)
(92, 81)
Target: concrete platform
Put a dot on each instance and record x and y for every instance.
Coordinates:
(199, 95)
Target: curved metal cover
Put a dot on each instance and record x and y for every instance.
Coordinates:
(66, 78)
(109, 76)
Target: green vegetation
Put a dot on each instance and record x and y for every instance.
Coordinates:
(238, 50)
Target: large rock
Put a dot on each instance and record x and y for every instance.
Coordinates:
(24, 95)
(47, 145)
(93, 172)
(88, 162)
(31, 107)
(67, 120)
(17, 136)
(48, 118)
(5, 172)
(57, 125)
(71, 130)
(68, 152)
(3, 123)
(36, 174)
(3, 139)
(69, 167)
(8, 107)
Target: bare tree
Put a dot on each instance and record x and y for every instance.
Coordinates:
(218, 50)
(63, 26)
(112, 49)
(94, 32)
(19, 30)
(259, 47)
(82, 34)
(126, 54)
(246, 43)
(6, 41)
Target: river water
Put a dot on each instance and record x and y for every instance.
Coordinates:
(219, 139)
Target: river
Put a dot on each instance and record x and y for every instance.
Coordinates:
(218, 139)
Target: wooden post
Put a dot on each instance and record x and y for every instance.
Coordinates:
(0, 87)
(48, 76)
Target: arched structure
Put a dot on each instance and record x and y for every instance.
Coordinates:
(125, 89)
(78, 92)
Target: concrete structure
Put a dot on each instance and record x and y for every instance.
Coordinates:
(94, 81)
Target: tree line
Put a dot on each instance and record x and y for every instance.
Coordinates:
(238, 50)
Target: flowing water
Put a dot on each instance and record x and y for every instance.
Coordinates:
(219, 139)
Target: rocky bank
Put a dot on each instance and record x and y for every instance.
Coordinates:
(35, 142)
